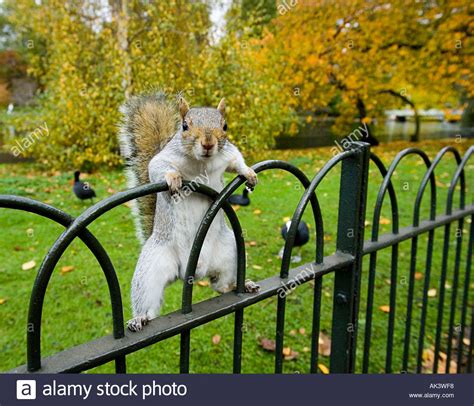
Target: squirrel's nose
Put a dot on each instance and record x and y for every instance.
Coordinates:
(207, 147)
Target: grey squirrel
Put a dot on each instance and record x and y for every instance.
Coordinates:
(161, 140)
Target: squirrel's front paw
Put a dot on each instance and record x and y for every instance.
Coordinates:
(251, 177)
(174, 181)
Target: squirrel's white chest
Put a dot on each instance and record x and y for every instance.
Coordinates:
(190, 206)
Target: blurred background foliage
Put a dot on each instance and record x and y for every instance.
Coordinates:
(272, 60)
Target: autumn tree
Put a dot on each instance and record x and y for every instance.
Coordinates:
(90, 55)
(369, 55)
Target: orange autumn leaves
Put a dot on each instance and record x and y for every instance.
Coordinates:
(356, 49)
(289, 353)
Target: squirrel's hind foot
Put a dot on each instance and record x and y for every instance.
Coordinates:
(137, 323)
(251, 286)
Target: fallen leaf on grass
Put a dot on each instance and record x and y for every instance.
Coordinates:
(267, 344)
(289, 354)
(253, 243)
(28, 265)
(323, 368)
(203, 283)
(385, 308)
(453, 366)
(17, 248)
(324, 345)
(258, 267)
(428, 362)
(432, 293)
(428, 354)
(66, 269)
(236, 207)
(257, 211)
(384, 220)
(292, 332)
(418, 276)
(3, 301)
(302, 331)
(216, 339)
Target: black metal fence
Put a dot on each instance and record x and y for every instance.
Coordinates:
(345, 263)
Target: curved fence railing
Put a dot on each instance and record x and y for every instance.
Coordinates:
(346, 264)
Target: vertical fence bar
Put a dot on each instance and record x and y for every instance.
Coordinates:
(239, 314)
(308, 196)
(465, 295)
(369, 311)
(318, 284)
(442, 283)
(238, 326)
(457, 264)
(373, 256)
(185, 341)
(120, 365)
(280, 332)
(318, 287)
(428, 177)
(350, 238)
(393, 302)
(424, 305)
(411, 287)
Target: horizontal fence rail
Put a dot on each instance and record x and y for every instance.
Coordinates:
(346, 264)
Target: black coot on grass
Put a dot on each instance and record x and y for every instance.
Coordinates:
(82, 189)
(302, 237)
(240, 200)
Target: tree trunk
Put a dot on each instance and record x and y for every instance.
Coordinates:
(120, 9)
(362, 116)
(415, 137)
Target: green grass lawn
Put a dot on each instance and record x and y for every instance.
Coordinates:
(77, 307)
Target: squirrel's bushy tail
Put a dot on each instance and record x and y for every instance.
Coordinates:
(149, 122)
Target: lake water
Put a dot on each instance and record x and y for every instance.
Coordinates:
(321, 134)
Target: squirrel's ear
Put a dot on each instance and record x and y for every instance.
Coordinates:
(183, 107)
(221, 107)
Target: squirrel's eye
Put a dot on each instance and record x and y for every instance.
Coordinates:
(185, 126)
(225, 127)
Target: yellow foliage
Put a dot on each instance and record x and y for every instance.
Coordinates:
(355, 49)
(4, 94)
(87, 66)
(316, 54)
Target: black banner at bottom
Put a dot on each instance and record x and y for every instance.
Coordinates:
(229, 390)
